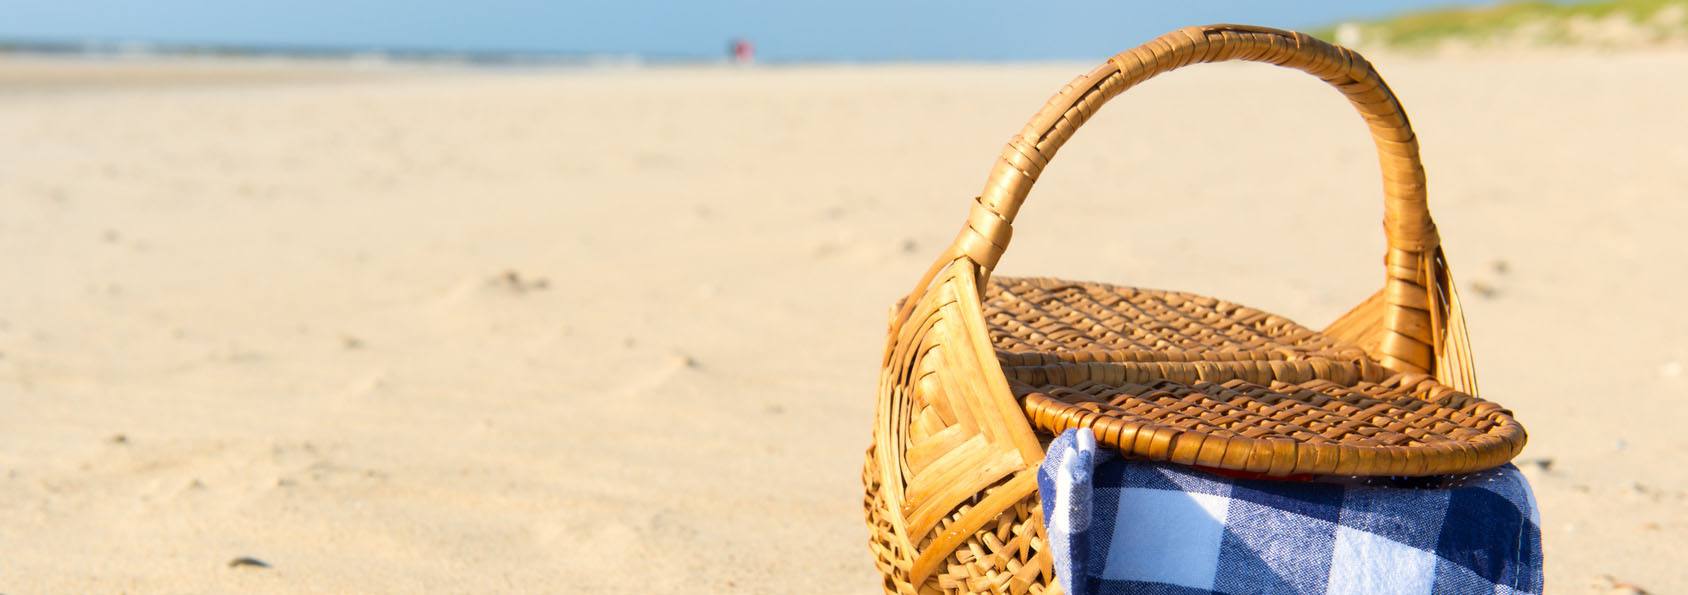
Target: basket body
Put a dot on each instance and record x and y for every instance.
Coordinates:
(979, 371)
(953, 504)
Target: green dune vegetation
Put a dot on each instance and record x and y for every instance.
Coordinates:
(1523, 24)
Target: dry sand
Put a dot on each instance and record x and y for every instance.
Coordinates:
(616, 331)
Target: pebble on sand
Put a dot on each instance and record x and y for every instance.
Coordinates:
(1543, 463)
(514, 281)
(248, 561)
(1619, 587)
(1484, 290)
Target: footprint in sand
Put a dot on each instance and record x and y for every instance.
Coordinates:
(510, 282)
(649, 381)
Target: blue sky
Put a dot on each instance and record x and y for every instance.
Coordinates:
(793, 30)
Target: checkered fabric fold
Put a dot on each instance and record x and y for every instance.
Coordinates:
(1118, 526)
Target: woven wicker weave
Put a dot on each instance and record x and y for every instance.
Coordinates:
(979, 371)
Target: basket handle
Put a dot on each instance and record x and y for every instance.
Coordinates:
(1412, 238)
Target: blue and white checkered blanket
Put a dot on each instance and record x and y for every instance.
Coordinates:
(1119, 526)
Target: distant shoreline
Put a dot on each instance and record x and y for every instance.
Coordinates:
(31, 66)
(104, 49)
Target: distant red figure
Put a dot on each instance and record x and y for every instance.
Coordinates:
(742, 51)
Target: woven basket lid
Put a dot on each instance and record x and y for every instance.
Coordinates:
(1190, 379)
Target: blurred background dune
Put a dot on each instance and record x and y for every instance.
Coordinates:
(563, 299)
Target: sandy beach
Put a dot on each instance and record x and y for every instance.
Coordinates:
(617, 330)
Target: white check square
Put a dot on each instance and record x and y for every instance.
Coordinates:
(1368, 563)
(1167, 537)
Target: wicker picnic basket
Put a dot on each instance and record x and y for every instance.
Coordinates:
(979, 372)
